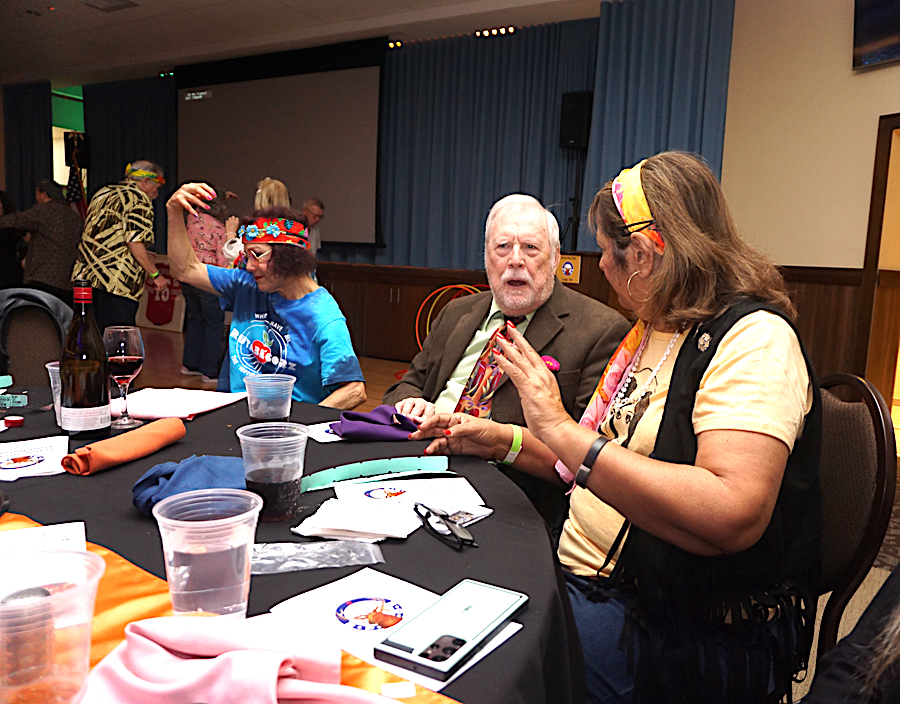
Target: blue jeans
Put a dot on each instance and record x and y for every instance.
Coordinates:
(204, 332)
(599, 627)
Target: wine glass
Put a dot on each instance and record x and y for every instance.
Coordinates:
(125, 350)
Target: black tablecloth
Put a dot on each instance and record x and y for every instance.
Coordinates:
(541, 663)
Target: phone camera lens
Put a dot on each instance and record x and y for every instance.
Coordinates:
(448, 651)
(439, 658)
(459, 642)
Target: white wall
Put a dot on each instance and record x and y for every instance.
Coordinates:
(800, 131)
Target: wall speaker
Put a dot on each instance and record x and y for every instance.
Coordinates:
(575, 120)
(77, 142)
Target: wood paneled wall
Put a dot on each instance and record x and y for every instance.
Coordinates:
(835, 313)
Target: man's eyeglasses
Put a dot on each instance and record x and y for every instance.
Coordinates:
(444, 528)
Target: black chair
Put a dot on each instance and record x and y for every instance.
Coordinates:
(33, 326)
(858, 474)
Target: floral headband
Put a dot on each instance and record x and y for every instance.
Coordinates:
(143, 173)
(628, 195)
(275, 231)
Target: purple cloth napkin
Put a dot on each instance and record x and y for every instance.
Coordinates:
(382, 423)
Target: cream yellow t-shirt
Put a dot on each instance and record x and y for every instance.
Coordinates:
(757, 381)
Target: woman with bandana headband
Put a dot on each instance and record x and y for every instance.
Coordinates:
(282, 321)
(691, 550)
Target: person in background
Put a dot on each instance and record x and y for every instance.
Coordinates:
(521, 251)
(691, 549)
(205, 317)
(54, 232)
(114, 251)
(271, 193)
(314, 210)
(12, 242)
(864, 667)
(282, 322)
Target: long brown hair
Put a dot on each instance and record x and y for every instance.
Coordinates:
(706, 264)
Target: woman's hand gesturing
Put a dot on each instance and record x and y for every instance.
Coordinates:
(538, 390)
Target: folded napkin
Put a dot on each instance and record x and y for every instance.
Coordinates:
(379, 424)
(149, 404)
(170, 478)
(252, 661)
(123, 448)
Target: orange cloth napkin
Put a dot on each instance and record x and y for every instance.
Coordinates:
(124, 448)
(127, 593)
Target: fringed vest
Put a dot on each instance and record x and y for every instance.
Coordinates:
(683, 606)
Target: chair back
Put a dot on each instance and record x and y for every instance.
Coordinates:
(858, 475)
(33, 325)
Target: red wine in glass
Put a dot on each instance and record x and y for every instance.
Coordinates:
(125, 357)
(124, 368)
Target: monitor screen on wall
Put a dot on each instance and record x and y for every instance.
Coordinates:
(876, 33)
(316, 132)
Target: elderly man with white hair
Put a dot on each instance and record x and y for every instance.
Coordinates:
(576, 334)
(114, 254)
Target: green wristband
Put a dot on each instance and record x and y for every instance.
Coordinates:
(516, 446)
(154, 274)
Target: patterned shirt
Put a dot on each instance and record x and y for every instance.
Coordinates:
(117, 215)
(55, 233)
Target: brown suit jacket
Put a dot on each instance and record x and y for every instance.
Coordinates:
(579, 332)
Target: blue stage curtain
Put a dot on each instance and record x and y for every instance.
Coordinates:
(466, 121)
(661, 83)
(28, 123)
(130, 120)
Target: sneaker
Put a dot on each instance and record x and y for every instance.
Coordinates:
(208, 380)
(189, 372)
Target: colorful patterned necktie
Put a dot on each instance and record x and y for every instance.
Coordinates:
(479, 390)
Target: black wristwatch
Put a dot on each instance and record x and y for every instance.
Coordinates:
(584, 471)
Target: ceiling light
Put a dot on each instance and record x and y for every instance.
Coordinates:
(493, 31)
(478, 33)
(503, 30)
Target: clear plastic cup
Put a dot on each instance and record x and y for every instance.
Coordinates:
(55, 386)
(46, 613)
(273, 466)
(207, 537)
(269, 396)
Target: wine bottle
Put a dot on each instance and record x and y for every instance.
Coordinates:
(83, 372)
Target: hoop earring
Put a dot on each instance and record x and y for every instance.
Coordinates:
(630, 294)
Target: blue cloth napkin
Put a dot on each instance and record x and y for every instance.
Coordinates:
(170, 478)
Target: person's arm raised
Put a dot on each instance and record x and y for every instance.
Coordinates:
(183, 261)
(719, 505)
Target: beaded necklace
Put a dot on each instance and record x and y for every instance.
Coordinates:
(619, 400)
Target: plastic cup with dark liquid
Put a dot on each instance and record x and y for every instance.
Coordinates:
(273, 466)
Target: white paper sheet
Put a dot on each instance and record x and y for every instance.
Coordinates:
(33, 458)
(61, 536)
(322, 432)
(437, 493)
(368, 520)
(151, 404)
(355, 613)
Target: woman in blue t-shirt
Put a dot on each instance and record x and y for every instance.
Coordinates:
(282, 321)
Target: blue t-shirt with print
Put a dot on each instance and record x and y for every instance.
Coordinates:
(306, 338)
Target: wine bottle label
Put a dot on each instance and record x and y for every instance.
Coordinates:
(79, 419)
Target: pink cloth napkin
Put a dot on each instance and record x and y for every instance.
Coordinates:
(150, 404)
(252, 661)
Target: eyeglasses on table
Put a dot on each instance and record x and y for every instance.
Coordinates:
(439, 524)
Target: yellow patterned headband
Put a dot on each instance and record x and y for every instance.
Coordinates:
(628, 195)
(142, 173)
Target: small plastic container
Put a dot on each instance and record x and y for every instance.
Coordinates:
(274, 455)
(207, 538)
(269, 396)
(55, 386)
(46, 613)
